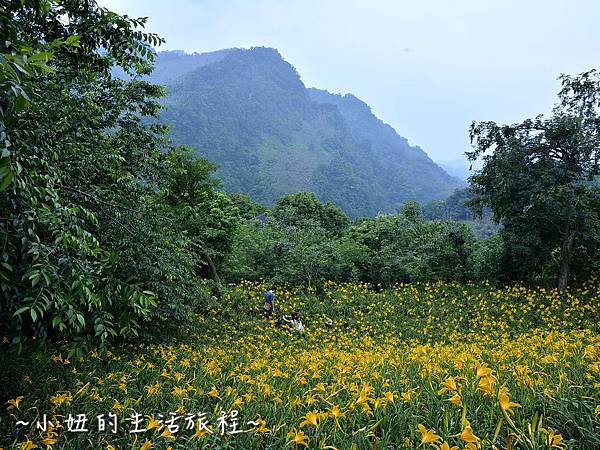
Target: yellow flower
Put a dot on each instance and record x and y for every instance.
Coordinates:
(485, 384)
(467, 435)
(49, 440)
(335, 412)
(483, 370)
(59, 399)
(179, 392)
(555, 440)
(178, 376)
(364, 394)
(262, 426)
(199, 433)
(27, 445)
(504, 400)
(213, 393)
(167, 434)
(379, 403)
(152, 389)
(389, 396)
(311, 418)
(455, 399)
(147, 445)
(445, 446)
(298, 437)
(407, 396)
(152, 423)
(448, 386)
(15, 403)
(428, 436)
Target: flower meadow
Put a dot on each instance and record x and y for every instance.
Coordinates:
(433, 366)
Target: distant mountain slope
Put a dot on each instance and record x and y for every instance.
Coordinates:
(404, 168)
(249, 111)
(460, 168)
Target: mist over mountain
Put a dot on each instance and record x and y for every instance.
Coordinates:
(459, 168)
(249, 111)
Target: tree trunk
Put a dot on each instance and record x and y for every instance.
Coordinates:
(565, 259)
(213, 269)
(211, 264)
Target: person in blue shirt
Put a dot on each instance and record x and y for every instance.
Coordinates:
(269, 306)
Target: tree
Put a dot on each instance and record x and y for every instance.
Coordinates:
(304, 208)
(84, 167)
(208, 217)
(538, 178)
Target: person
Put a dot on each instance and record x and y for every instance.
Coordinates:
(295, 321)
(269, 306)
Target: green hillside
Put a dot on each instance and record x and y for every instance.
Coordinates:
(249, 111)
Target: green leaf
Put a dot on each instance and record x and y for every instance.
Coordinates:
(41, 57)
(20, 311)
(73, 41)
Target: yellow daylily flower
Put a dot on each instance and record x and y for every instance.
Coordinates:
(167, 434)
(504, 400)
(179, 392)
(467, 435)
(407, 396)
(335, 412)
(483, 370)
(446, 446)
(556, 440)
(14, 403)
(456, 399)
(298, 437)
(59, 399)
(27, 445)
(152, 423)
(428, 436)
(485, 384)
(449, 385)
(311, 418)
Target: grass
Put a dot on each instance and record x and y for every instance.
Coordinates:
(417, 366)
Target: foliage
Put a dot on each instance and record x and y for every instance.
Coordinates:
(538, 180)
(207, 217)
(304, 210)
(248, 208)
(88, 250)
(305, 242)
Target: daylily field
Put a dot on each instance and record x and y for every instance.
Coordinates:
(442, 366)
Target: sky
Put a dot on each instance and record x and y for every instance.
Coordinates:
(428, 68)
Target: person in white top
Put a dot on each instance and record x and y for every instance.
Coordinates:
(294, 319)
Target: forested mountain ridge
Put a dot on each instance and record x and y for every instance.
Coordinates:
(249, 111)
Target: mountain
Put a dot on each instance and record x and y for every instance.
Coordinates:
(249, 111)
(459, 168)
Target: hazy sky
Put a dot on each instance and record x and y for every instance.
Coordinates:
(428, 68)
